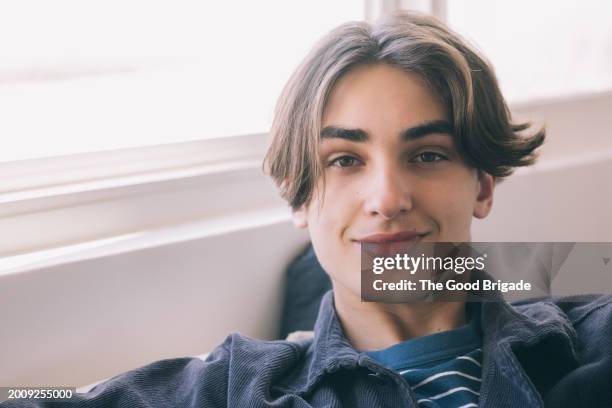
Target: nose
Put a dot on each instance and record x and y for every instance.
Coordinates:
(388, 194)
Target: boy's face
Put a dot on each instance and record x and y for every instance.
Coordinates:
(389, 166)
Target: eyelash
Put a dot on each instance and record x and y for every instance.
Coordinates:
(439, 156)
(337, 160)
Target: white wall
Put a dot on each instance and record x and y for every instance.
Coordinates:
(567, 195)
(82, 320)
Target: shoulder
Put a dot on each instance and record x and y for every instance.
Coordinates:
(577, 308)
(232, 372)
(259, 359)
(260, 367)
(588, 383)
(184, 381)
(589, 315)
(585, 307)
(582, 310)
(587, 319)
(237, 344)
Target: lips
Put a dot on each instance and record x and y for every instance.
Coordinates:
(390, 244)
(391, 237)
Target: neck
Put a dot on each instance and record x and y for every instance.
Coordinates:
(375, 326)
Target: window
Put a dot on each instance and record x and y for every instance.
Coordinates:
(91, 76)
(540, 49)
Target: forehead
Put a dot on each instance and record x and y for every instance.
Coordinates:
(380, 98)
(382, 103)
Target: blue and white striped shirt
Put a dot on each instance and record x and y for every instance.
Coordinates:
(443, 369)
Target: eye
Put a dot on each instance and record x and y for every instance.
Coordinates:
(344, 161)
(430, 157)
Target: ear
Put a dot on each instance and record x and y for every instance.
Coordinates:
(484, 200)
(300, 220)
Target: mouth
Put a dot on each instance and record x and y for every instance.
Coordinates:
(390, 244)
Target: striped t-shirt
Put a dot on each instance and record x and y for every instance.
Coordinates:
(443, 369)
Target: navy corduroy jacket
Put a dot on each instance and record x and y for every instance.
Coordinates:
(554, 352)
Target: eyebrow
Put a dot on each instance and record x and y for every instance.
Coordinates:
(413, 133)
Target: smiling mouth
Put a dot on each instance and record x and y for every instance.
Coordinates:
(390, 244)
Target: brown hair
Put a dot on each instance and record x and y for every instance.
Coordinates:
(482, 129)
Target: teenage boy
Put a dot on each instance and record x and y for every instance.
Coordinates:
(385, 134)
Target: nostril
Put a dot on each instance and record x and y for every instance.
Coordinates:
(387, 197)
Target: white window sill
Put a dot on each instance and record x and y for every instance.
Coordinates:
(58, 202)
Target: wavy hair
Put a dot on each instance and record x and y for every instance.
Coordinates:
(484, 134)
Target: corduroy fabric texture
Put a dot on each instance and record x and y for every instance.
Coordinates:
(556, 351)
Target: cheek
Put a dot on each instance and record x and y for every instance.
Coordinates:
(329, 225)
(451, 205)
(340, 204)
(328, 221)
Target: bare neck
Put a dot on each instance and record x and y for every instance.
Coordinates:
(375, 326)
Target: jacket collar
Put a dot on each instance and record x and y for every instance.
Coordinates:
(331, 350)
(530, 326)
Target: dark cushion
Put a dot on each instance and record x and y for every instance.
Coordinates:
(306, 283)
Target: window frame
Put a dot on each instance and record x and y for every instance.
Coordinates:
(62, 201)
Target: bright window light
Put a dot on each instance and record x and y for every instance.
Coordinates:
(80, 76)
(541, 49)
